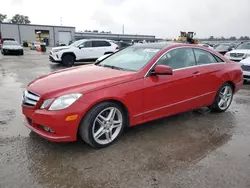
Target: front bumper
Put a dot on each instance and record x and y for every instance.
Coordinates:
(54, 57)
(64, 131)
(246, 75)
(12, 51)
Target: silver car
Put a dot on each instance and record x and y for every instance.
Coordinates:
(11, 47)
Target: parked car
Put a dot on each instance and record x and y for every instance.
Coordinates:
(3, 39)
(135, 85)
(82, 50)
(34, 45)
(205, 45)
(245, 65)
(223, 48)
(11, 47)
(241, 52)
(122, 44)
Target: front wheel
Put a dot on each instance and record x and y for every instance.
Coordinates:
(68, 60)
(103, 124)
(223, 98)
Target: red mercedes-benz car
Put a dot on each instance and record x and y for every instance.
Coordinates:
(135, 85)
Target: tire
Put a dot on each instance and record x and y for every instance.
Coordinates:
(3, 52)
(218, 104)
(245, 82)
(21, 53)
(90, 125)
(68, 60)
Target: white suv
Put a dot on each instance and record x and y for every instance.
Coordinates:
(241, 52)
(82, 50)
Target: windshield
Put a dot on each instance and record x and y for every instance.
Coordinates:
(222, 47)
(10, 42)
(131, 59)
(76, 43)
(244, 46)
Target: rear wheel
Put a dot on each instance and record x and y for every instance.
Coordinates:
(21, 53)
(103, 124)
(223, 98)
(68, 60)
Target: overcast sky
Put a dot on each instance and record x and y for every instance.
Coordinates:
(163, 18)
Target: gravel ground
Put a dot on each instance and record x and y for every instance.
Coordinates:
(195, 149)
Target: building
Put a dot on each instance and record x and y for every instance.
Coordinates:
(52, 35)
(30, 32)
(111, 36)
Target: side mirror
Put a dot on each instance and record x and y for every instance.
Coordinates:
(162, 70)
(80, 46)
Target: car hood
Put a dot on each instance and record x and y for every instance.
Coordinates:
(61, 48)
(12, 47)
(246, 61)
(240, 51)
(82, 79)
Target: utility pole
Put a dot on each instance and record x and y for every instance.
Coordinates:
(123, 29)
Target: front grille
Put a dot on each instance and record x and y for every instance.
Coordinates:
(245, 68)
(30, 99)
(246, 76)
(236, 54)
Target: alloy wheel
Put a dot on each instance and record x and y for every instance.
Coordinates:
(107, 125)
(225, 97)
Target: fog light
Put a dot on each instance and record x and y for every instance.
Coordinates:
(46, 129)
(51, 130)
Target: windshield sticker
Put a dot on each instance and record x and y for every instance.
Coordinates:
(151, 50)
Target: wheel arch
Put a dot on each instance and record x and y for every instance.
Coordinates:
(114, 100)
(109, 52)
(69, 53)
(232, 84)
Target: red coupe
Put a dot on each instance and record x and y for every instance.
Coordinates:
(135, 85)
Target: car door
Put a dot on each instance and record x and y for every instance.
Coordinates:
(100, 48)
(84, 50)
(170, 94)
(210, 66)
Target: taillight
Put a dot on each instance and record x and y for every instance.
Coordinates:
(117, 48)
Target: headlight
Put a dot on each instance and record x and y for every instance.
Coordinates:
(246, 56)
(57, 50)
(46, 103)
(64, 101)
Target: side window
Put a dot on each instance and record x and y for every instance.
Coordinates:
(104, 43)
(95, 44)
(101, 43)
(178, 58)
(87, 44)
(204, 57)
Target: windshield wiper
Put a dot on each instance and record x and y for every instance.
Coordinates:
(112, 67)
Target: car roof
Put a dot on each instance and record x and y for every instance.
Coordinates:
(161, 45)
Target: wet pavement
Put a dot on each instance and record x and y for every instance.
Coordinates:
(195, 149)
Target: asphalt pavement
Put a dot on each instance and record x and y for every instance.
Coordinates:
(196, 149)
